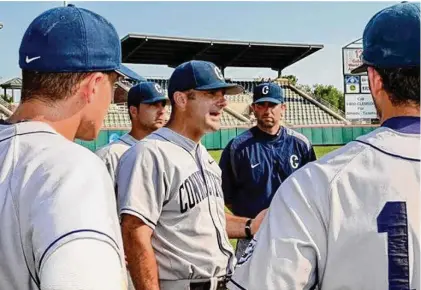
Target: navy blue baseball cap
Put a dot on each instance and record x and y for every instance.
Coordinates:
(71, 39)
(201, 76)
(145, 93)
(268, 92)
(391, 38)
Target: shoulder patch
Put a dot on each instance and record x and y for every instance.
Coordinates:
(299, 136)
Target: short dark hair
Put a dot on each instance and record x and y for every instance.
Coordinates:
(402, 84)
(51, 86)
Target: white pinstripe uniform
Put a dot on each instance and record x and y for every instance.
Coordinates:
(53, 193)
(112, 153)
(174, 186)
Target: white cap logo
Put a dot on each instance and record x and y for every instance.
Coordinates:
(219, 73)
(158, 88)
(265, 90)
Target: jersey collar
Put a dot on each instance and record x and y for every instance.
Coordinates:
(265, 136)
(404, 124)
(176, 138)
(129, 139)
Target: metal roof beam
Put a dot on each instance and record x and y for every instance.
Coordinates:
(135, 50)
(240, 54)
(202, 50)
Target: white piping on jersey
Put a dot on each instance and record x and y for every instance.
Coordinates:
(128, 139)
(299, 136)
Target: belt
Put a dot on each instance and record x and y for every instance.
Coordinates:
(221, 285)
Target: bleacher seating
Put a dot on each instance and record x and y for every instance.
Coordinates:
(247, 85)
(117, 117)
(162, 82)
(300, 109)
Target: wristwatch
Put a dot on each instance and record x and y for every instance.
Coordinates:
(248, 229)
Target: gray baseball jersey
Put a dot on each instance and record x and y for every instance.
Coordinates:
(53, 192)
(112, 152)
(174, 186)
(348, 221)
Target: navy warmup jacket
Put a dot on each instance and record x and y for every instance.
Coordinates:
(255, 163)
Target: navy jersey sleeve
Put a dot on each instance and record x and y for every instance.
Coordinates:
(228, 178)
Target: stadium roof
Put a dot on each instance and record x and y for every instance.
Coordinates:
(15, 83)
(172, 51)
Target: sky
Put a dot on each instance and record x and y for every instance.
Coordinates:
(332, 24)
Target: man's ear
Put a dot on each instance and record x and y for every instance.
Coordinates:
(180, 100)
(89, 87)
(375, 81)
(133, 111)
(284, 106)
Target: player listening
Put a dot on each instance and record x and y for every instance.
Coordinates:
(351, 220)
(146, 104)
(59, 228)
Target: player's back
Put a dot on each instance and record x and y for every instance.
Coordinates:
(347, 221)
(373, 224)
(42, 206)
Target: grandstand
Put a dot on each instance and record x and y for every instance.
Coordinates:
(302, 110)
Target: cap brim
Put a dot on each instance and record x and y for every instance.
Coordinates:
(230, 89)
(128, 73)
(155, 100)
(270, 100)
(362, 68)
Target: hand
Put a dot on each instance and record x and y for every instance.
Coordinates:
(255, 224)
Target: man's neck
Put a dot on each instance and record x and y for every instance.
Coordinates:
(138, 133)
(185, 130)
(402, 111)
(37, 111)
(271, 131)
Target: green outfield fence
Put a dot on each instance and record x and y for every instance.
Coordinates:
(218, 140)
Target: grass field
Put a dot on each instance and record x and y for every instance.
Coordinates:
(320, 151)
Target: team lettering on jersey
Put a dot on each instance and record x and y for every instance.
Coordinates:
(194, 190)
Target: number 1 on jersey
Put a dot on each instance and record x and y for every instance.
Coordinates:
(393, 221)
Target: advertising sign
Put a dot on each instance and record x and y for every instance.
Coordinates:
(352, 59)
(365, 89)
(352, 84)
(359, 106)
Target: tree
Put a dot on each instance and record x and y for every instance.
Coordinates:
(293, 79)
(330, 94)
(305, 88)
